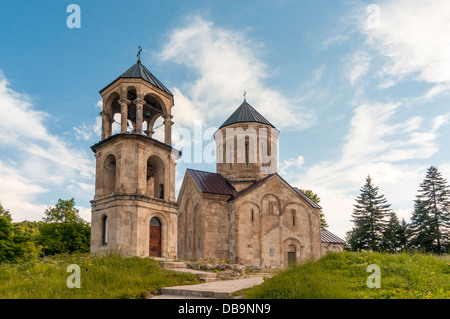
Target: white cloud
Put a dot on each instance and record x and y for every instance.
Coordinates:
(41, 160)
(379, 144)
(287, 164)
(86, 132)
(356, 66)
(414, 36)
(184, 112)
(17, 194)
(226, 65)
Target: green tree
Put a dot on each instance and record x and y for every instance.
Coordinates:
(5, 213)
(369, 217)
(13, 246)
(64, 211)
(28, 229)
(395, 235)
(430, 221)
(26, 233)
(6, 242)
(63, 230)
(316, 199)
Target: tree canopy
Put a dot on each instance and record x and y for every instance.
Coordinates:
(370, 215)
(430, 221)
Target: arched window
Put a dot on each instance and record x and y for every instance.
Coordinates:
(246, 154)
(253, 216)
(293, 216)
(105, 230)
(109, 175)
(161, 191)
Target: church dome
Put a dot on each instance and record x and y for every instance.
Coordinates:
(245, 113)
(139, 71)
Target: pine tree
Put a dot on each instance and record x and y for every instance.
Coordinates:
(395, 235)
(369, 216)
(430, 221)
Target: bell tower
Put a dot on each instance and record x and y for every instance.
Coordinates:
(134, 211)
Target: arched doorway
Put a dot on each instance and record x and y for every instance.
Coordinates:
(155, 237)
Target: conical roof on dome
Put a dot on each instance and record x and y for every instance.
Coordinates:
(139, 71)
(246, 113)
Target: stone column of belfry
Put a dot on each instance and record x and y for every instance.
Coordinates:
(148, 132)
(139, 114)
(104, 125)
(124, 114)
(168, 129)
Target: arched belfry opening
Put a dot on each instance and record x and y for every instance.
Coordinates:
(155, 177)
(135, 166)
(153, 115)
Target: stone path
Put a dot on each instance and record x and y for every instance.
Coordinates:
(222, 289)
(212, 288)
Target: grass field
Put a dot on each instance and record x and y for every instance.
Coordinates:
(100, 277)
(337, 275)
(344, 276)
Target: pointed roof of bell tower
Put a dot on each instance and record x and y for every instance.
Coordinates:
(139, 71)
(246, 113)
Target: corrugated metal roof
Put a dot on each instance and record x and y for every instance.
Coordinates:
(245, 113)
(211, 183)
(328, 237)
(309, 200)
(139, 71)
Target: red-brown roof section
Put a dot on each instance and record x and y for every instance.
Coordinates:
(211, 183)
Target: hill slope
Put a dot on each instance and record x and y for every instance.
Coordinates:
(344, 275)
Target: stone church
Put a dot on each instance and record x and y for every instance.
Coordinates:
(245, 212)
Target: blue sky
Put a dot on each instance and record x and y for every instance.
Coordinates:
(354, 89)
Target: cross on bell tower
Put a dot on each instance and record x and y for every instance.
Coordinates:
(135, 173)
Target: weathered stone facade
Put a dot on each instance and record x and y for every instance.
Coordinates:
(258, 228)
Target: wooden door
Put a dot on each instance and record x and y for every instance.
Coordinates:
(291, 258)
(291, 255)
(155, 238)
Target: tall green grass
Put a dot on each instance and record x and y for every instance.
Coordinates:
(344, 276)
(101, 277)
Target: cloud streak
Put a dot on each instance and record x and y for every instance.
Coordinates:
(41, 160)
(226, 64)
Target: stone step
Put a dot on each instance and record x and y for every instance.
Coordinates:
(173, 264)
(220, 289)
(203, 275)
(174, 291)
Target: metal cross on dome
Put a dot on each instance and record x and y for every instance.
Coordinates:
(139, 53)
